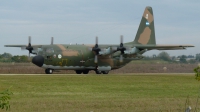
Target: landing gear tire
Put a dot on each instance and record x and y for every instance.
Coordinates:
(79, 71)
(98, 72)
(105, 72)
(48, 71)
(85, 71)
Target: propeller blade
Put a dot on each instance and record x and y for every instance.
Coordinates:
(96, 47)
(51, 40)
(121, 59)
(29, 39)
(29, 47)
(95, 59)
(121, 40)
(97, 40)
(121, 46)
(29, 56)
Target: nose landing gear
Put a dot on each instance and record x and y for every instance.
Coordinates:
(49, 71)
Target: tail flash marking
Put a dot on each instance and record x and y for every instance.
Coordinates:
(148, 15)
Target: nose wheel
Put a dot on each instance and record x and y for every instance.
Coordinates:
(48, 71)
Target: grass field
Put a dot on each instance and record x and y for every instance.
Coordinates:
(102, 93)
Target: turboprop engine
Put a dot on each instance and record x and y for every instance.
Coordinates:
(105, 51)
(133, 50)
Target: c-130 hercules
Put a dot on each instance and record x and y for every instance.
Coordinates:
(100, 58)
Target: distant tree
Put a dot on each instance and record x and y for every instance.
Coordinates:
(6, 55)
(183, 59)
(1, 56)
(173, 58)
(164, 56)
(198, 57)
(15, 58)
(192, 61)
(24, 58)
(146, 58)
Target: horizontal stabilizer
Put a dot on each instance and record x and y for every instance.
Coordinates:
(164, 47)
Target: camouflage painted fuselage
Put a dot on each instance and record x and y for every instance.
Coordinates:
(79, 57)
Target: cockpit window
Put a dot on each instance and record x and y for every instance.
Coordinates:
(50, 50)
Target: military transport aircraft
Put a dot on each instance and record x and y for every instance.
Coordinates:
(100, 58)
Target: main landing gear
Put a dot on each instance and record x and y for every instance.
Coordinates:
(49, 71)
(82, 71)
(87, 71)
(101, 72)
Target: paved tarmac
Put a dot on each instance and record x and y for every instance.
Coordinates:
(114, 74)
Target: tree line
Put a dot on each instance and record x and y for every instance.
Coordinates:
(7, 57)
(181, 59)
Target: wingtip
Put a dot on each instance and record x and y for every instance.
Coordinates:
(186, 46)
(190, 46)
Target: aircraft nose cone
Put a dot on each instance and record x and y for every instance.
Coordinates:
(38, 60)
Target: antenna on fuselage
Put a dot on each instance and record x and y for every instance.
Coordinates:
(51, 40)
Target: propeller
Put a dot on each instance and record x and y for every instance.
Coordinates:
(29, 47)
(96, 49)
(52, 40)
(121, 48)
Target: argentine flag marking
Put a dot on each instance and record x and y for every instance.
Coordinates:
(147, 23)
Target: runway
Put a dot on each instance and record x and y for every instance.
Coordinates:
(111, 74)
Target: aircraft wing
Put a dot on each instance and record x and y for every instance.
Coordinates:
(14, 45)
(164, 47)
(30, 48)
(36, 46)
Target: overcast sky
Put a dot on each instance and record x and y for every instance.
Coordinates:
(80, 21)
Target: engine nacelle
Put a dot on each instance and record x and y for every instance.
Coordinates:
(105, 51)
(133, 50)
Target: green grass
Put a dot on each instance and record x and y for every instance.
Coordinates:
(101, 93)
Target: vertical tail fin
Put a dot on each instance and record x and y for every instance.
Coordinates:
(146, 33)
